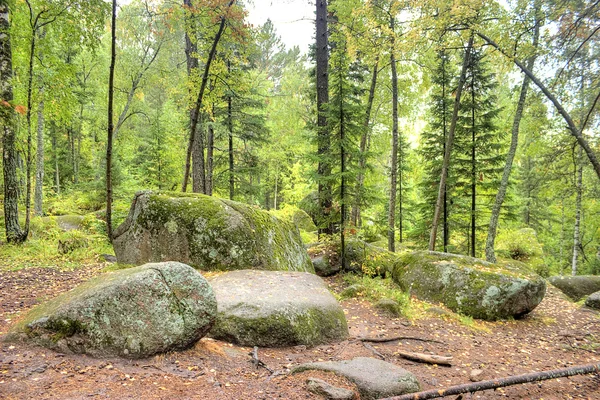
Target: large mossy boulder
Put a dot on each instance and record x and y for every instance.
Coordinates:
(208, 233)
(470, 286)
(276, 308)
(593, 301)
(133, 313)
(576, 287)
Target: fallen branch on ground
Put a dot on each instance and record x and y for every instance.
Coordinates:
(500, 382)
(373, 350)
(426, 358)
(257, 362)
(394, 338)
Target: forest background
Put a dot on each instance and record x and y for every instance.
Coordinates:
(405, 119)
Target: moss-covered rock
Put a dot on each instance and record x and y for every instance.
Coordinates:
(275, 308)
(593, 301)
(208, 233)
(133, 313)
(576, 287)
(470, 286)
(297, 216)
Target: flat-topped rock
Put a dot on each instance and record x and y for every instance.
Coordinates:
(576, 287)
(276, 308)
(132, 313)
(374, 378)
(207, 233)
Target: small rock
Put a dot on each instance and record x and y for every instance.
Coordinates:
(330, 392)
(593, 301)
(389, 306)
(352, 290)
(109, 258)
(324, 267)
(476, 375)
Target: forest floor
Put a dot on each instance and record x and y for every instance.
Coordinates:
(556, 334)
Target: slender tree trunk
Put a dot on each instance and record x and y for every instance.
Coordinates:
(29, 129)
(362, 162)
(323, 136)
(473, 167)
(230, 131)
(576, 132)
(210, 147)
(56, 171)
(78, 149)
(445, 226)
(196, 111)
(562, 236)
(394, 158)
(39, 173)
(490, 254)
(198, 160)
(448, 147)
(576, 230)
(110, 131)
(14, 234)
(343, 178)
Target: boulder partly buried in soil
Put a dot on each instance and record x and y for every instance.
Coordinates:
(276, 308)
(470, 286)
(576, 287)
(374, 378)
(207, 233)
(593, 301)
(133, 313)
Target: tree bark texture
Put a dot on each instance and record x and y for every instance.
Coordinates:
(500, 382)
(110, 131)
(323, 136)
(394, 156)
(576, 132)
(196, 110)
(14, 234)
(448, 147)
(577, 228)
(210, 149)
(230, 150)
(38, 198)
(490, 253)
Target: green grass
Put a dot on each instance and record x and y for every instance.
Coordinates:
(377, 288)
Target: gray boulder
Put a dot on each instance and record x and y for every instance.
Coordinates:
(330, 392)
(470, 286)
(207, 233)
(576, 287)
(325, 268)
(593, 301)
(133, 313)
(374, 378)
(275, 308)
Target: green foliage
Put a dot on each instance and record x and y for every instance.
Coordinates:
(523, 245)
(377, 289)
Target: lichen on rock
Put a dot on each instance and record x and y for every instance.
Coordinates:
(133, 313)
(207, 233)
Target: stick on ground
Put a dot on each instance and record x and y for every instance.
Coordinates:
(500, 382)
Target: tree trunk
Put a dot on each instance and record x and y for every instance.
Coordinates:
(210, 148)
(490, 254)
(394, 158)
(577, 133)
(576, 230)
(29, 133)
(323, 136)
(445, 227)
(39, 168)
(14, 234)
(364, 140)
(196, 110)
(110, 131)
(448, 147)
(473, 167)
(56, 171)
(198, 161)
(230, 131)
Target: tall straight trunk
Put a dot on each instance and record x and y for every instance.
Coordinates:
(210, 148)
(577, 229)
(364, 140)
(394, 161)
(198, 105)
(448, 147)
(323, 136)
(78, 148)
(490, 254)
(343, 178)
(276, 188)
(198, 161)
(14, 234)
(445, 227)
(28, 152)
(230, 131)
(576, 132)
(110, 131)
(401, 160)
(38, 197)
(56, 171)
(473, 167)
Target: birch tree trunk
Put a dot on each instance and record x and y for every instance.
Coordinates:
(490, 253)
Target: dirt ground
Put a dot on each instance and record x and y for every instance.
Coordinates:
(557, 334)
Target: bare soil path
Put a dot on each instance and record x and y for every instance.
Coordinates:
(557, 334)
